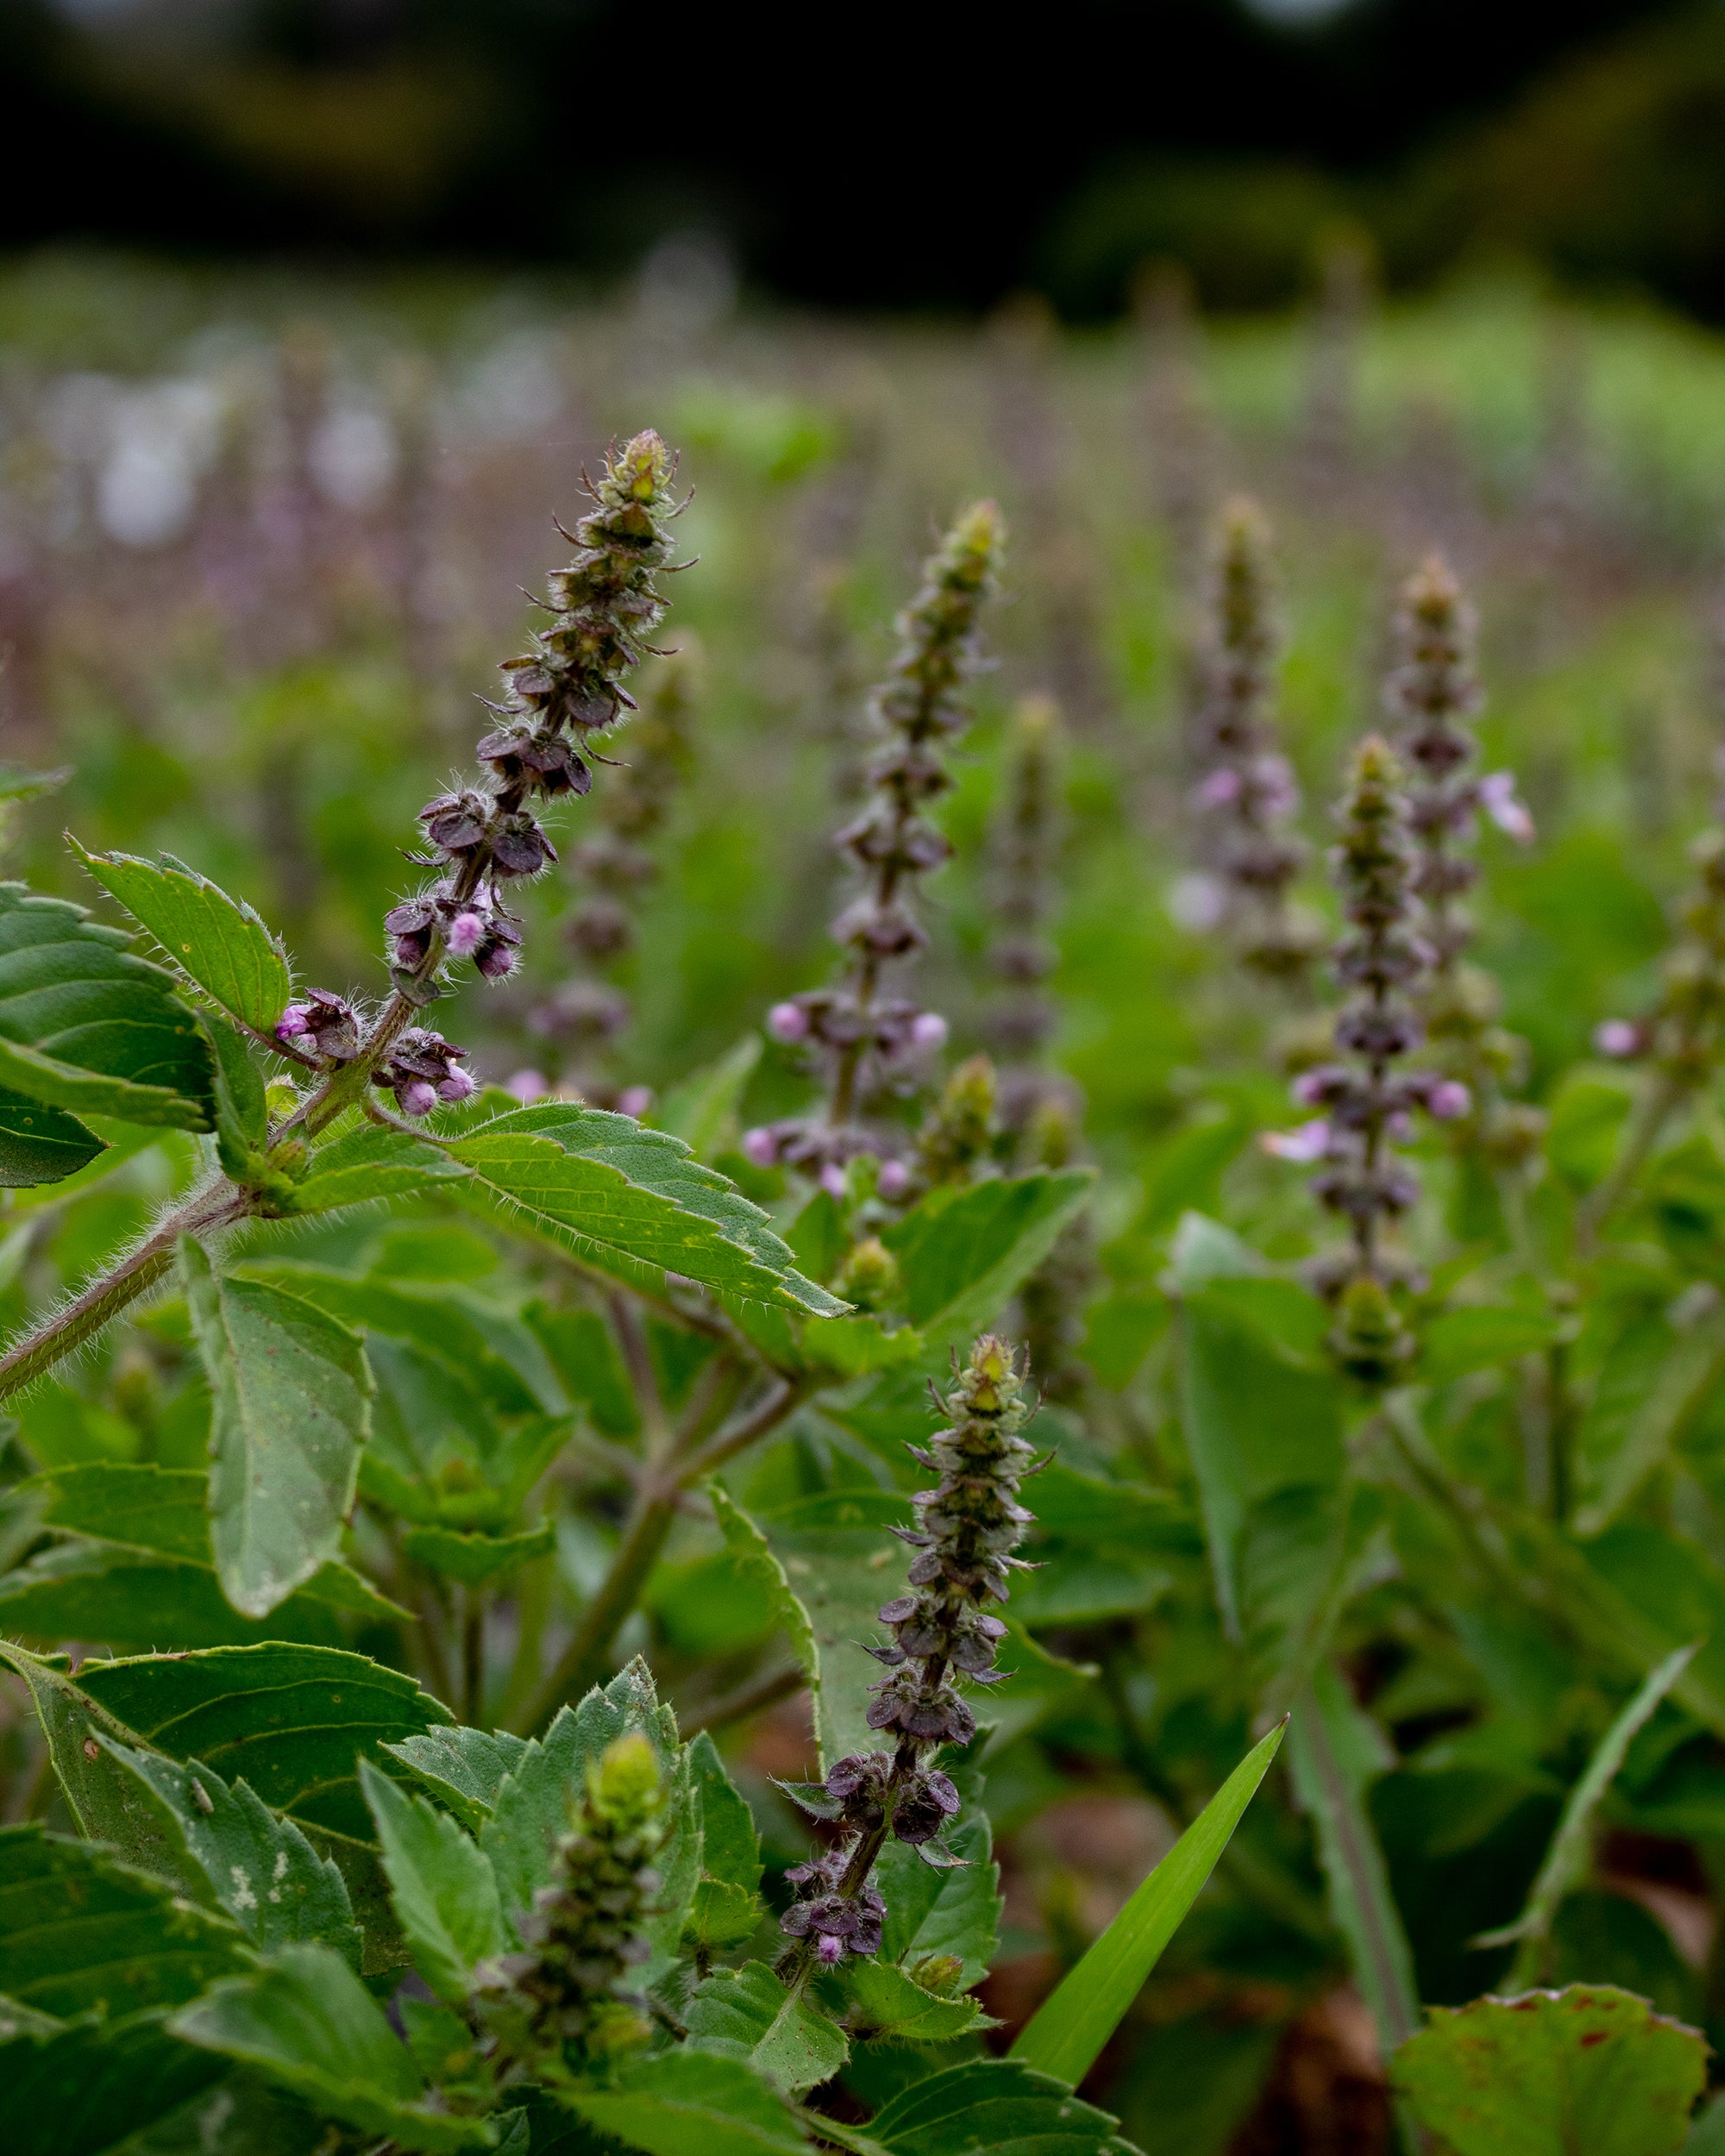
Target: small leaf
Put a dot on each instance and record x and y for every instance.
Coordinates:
(261, 1869)
(86, 1025)
(887, 2002)
(993, 2107)
(241, 1113)
(692, 2102)
(83, 2090)
(634, 1202)
(748, 2010)
(1066, 2033)
(1479, 1338)
(40, 1144)
(292, 1406)
(81, 1933)
(462, 1768)
(444, 1892)
(731, 1848)
(1588, 2071)
(307, 2023)
(215, 941)
(477, 1560)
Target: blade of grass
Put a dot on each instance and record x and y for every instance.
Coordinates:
(1066, 2033)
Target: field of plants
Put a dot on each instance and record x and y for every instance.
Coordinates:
(862, 1261)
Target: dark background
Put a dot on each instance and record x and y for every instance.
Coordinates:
(893, 156)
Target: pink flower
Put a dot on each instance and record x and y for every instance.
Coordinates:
(292, 1022)
(1498, 799)
(458, 1086)
(761, 1146)
(832, 1180)
(1618, 1038)
(893, 1180)
(829, 1948)
(928, 1030)
(1218, 789)
(417, 1098)
(496, 961)
(467, 933)
(634, 1100)
(1448, 1100)
(527, 1086)
(1309, 1143)
(788, 1022)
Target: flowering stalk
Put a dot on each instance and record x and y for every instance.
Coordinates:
(942, 1633)
(865, 1039)
(617, 866)
(1367, 1100)
(566, 691)
(559, 2007)
(1021, 955)
(1248, 792)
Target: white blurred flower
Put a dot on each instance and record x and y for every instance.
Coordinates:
(1309, 1143)
(1499, 801)
(353, 456)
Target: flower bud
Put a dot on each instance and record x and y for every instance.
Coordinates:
(1618, 1038)
(417, 1097)
(894, 1180)
(457, 1087)
(929, 1030)
(761, 1147)
(788, 1022)
(467, 933)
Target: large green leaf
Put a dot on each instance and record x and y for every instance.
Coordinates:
(369, 1163)
(41, 1145)
(307, 2023)
(634, 1202)
(887, 2002)
(290, 1393)
(477, 1560)
(993, 2107)
(444, 1892)
(128, 1599)
(1335, 1751)
(294, 1720)
(463, 1769)
(217, 942)
(86, 1025)
(81, 1933)
(260, 1868)
(689, 2101)
(1066, 2033)
(83, 2090)
(1588, 2071)
(787, 2038)
(727, 1904)
(962, 1256)
(753, 1556)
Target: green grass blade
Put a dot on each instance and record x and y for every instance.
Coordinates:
(1066, 2033)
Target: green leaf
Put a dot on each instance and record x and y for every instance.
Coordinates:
(749, 2012)
(1588, 2071)
(1066, 2033)
(1334, 1752)
(308, 2024)
(477, 1560)
(1654, 1380)
(993, 2107)
(1707, 2136)
(1567, 1854)
(1457, 1342)
(443, 1890)
(689, 2100)
(530, 1808)
(702, 1109)
(369, 1163)
(261, 1869)
(753, 1556)
(633, 1202)
(215, 941)
(86, 1025)
(88, 2088)
(726, 1910)
(887, 2001)
(41, 1145)
(291, 1720)
(1257, 1422)
(961, 1261)
(241, 1112)
(292, 1406)
(81, 1933)
(462, 1768)
(953, 1912)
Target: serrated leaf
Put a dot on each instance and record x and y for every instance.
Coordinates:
(731, 1848)
(261, 1869)
(290, 1719)
(953, 1911)
(753, 1556)
(41, 1145)
(307, 2023)
(86, 1025)
(887, 2002)
(477, 1560)
(444, 1892)
(462, 1768)
(128, 1599)
(369, 1163)
(1588, 2071)
(81, 1933)
(83, 2090)
(1066, 2033)
(241, 1113)
(217, 942)
(634, 1202)
(691, 2099)
(786, 2039)
(993, 2107)
(963, 1259)
(291, 1395)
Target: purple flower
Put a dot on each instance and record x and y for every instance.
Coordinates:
(467, 933)
(417, 1097)
(1618, 1038)
(458, 1086)
(1498, 799)
(829, 1950)
(1448, 1099)
(634, 1100)
(832, 1180)
(292, 1022)
(1217, 791)
(788, 1022)
(527, 1086)
(1309, 1143)
(893, 1180)
(761, 1147)
(928, 1030)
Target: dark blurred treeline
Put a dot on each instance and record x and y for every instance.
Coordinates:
(923, 155)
